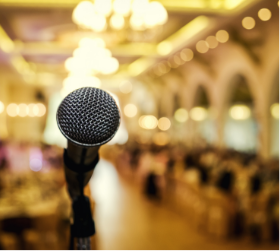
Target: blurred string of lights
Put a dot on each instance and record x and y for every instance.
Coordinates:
(249, 23)
(236, 112)
(187, 54)
(203, 46)
(119, 14)
(24, 110)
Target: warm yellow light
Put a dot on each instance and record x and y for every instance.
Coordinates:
(183, 35)
(264, 14)
(164, 124)
(117, 21)
(82, 13)
(97, 23)
(212, 42)
(2, 107)
(87, 42)
(161, 138)
(198, 113)
(130, 110)
(41, 110)
(186, 54)
(155, 15)
(164, 48)
(148, 122)
(31, 108)
(23, 110)
(35, 110)
(240, 112)
(74, 82)
(137, 22)
(91, 58)
(202, 46)
(140, 65)
(78, 66)
(140, 6)
(274, 109)
(232, 4)
(12, 110)
(181, 115)
(103, 7)
(122, 7)
(125, 87)
(6, 44)
(222, 36)
(248, 23)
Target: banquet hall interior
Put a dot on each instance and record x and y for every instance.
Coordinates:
(195, 161)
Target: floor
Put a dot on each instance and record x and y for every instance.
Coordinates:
(125, 219)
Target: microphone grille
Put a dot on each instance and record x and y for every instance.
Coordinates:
(88, 117)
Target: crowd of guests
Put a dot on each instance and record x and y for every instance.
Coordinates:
(222, 191)
(34, 204)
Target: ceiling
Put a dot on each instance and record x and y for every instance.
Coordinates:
(37, 36)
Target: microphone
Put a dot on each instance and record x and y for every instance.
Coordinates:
(88, 117)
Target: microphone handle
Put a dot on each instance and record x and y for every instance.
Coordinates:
(81, 155)
(79, 163)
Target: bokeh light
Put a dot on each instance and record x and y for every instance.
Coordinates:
(161, 138)
(74, 82)
(130, 110)
(136, 22)
(31, 108)
(164, 48)
(103, 7)
(23, 110)
(12, 110)
(248, 23)
(91, 57)
(222, 36)
(2, 107)
(117, 21)
(198, 113)
(240, 112)
(212, 42)
(186, 54)
(181, 115)
(264, 14)
(274, 109)
(41, 109)
(202, 46)
(164, 124)
(125, 87)
(148, 122)
(122, 7)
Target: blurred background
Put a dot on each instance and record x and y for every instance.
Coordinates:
(195, 163)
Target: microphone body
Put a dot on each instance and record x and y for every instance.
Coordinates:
(88, 117)
(79, 165)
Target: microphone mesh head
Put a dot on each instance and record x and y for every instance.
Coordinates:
(88, 117)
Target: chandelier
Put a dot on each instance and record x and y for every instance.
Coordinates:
(101, 15)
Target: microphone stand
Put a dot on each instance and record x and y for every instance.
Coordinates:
(77, 176)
